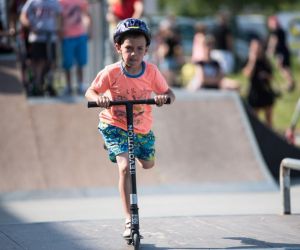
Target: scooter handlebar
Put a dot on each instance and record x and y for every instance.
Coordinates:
(133, 102)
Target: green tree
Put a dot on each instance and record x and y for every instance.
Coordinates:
(198, 8)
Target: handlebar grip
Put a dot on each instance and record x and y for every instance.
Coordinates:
(92, 105)
(168, 101)
(152, 101)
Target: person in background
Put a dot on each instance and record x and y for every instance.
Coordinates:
(277, 47)
(290, 132)
(42, 17)
(119, 10)
(199, 41)
(75, 34)
(21, 34)
(258, 70)
(169, 52)
(208, 73)
(223, 50)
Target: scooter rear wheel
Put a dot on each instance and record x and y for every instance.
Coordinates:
(136, 241)
(129, 241)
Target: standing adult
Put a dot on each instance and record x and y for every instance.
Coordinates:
(42, 17)
(75, 14)
(223, 51)
(21, 34)
(199, 42)
(277, 46)
(258, 69)
(169, 52)
(120, 10)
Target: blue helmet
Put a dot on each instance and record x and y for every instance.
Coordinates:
(132, 25)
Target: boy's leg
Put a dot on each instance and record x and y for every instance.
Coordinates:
(125, 190)
(145, 150)
(124, 182)
(146, 164)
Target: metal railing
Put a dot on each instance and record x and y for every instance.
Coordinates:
(285, 182)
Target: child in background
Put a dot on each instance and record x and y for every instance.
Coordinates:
(129, 79)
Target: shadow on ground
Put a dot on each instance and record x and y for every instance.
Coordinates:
(254, 243)
(10, 82)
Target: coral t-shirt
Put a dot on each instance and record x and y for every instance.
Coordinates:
(72, 11)
(117, 84)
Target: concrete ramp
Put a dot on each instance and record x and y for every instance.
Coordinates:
(203, 140)
(19, 156)
(273, 146)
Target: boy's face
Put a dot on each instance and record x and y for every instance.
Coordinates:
(133, 50)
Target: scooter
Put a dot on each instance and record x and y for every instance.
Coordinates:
(135, 235)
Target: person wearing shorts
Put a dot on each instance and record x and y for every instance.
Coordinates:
(42, 18)
(116, 139)
(76, 27)
(129, 79)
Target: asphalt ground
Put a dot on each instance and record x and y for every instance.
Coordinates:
(197, 232)
(89, 219)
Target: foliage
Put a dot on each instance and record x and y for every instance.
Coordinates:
(198, 8)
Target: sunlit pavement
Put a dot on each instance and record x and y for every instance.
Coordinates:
(203, 220)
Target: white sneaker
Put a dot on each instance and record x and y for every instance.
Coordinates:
(127, 231)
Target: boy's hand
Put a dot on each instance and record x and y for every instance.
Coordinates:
(103, 101)
(161, 99)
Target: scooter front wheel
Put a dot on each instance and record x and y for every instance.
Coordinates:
(136, 241)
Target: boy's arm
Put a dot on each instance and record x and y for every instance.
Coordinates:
(162, 98)
(170, 94)
(93, 96)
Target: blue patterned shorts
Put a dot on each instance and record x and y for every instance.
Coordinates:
(115, 140)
